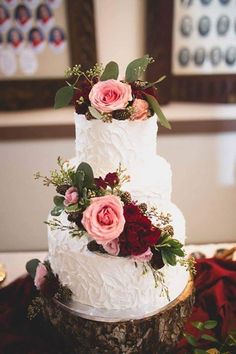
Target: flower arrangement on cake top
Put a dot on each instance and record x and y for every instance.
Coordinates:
(114, 223)
(99, 94)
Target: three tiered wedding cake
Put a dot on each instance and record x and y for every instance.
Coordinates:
(116, 241)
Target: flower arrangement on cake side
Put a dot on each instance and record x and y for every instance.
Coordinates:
(114, 223)
(99, 94)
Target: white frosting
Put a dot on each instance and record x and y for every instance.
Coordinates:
(104, 281)
(105, 145)
(131, 143)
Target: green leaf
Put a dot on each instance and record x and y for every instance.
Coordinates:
(88, 174)
(199, 325)
(31, 267)
(190, 339)
(157, 109)
(209, 338)
(111, 71)
(63, 96)
(136, 68)
(210, 324)
(178, 252)
(168, 257)
(58, 200)
(156, 82)
(57, 210)
(72, 208)
(94, 112)
(79, 180)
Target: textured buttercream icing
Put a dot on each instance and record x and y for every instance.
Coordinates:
(133, 144)
(109, 282)
(101, 280)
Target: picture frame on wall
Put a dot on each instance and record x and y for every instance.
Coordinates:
(77, 42)
(193, 44)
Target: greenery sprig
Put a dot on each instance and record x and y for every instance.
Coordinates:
(228, 346)
(170, 249)
(133, 76)
(58, 177)
(56, 224)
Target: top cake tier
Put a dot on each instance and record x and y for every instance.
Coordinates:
(105, 145)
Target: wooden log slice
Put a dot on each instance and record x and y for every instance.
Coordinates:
(157, 334)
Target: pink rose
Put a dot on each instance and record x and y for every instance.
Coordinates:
(144, 257)
(41, 272)
(109, 95)
(71, 196)
(141, 109)
(104, 219)
(112, 247)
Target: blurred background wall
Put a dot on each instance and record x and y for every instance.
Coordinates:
(204, 165)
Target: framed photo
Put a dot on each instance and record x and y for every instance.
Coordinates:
(37, 42)
(194, 44)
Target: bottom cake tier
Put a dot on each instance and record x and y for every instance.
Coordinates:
(157, 334)
(107, 282)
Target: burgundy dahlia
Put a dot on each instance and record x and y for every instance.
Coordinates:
(139, 234)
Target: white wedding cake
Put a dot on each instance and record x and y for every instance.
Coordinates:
(116, 240)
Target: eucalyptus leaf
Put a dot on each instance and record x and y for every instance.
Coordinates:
(57, 210)
(79, 179)
(199, 325)
(72, 208)
(111, 71)
(88, 174)
(209, 338)
(190, 339)
(210, 324)
(94, 112)
(157, 109)
(136, 68)
(31, 267)
(59, 201)
(63, 96)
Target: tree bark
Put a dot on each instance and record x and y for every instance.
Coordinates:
(157, 334)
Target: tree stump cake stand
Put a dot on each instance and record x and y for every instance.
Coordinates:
(156, 334)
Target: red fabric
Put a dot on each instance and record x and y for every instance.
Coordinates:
(215, 285)
(215, 299)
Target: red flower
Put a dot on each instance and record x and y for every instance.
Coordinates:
(83, 91)
(100, 183)
(112, 179)
(132, 213)
(139, 233)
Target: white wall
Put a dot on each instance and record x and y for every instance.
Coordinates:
(204, 166)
